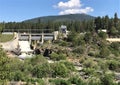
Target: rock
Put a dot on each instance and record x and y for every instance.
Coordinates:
(117, 76)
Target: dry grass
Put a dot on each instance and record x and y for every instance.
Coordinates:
(6, 37)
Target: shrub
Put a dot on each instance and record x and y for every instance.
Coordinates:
(54, 56)
(60, 82)
(43, 70)
(91, 54)
(88, 71)
(102, 35)
(69, 65)
(57, 57)
(79, 50)
(76, 80)
(114, 65)
(38, 59)
(115, 45)
(62, 57)
(107, 79)
(104, 52)
(63, 43)
(103, 65)
(89, 63)
(60, 70)
(18, 76)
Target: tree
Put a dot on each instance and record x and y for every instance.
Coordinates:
(1, 27)
(102, 35)
(115, 20)
(106, 26)
(97, 23)
(113, 31)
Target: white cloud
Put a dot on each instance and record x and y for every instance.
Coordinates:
(74, 11)
(72, 7)
(69, 4)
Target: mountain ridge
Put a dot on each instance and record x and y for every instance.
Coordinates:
(59, 18)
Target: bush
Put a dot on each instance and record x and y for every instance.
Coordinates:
(54, 56)
(73, 80)
(103, 65)
(60, 82)
(91, 54)
(79, 50)
(43, 70)
(107, 79)
(3, 82)
(104, 52)
(115, 45)
(57, 57)
(63, 43)
(89, 63)
(32, 81)
(71, 36)
(88, 37)
(76, 80)
(38, 59)
(88, 71)
(69, 66)
(40, 82)
(102, 35)
(94, 82)
(62, 57)
(114, 65)
(60, 70)
(18, 76)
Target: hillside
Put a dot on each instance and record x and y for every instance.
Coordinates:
(70, 17)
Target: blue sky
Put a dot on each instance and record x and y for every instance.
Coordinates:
(19, 10)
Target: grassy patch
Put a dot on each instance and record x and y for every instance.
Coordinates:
(6, 37)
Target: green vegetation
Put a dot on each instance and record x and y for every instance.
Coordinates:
(57, 57)
(83, 58)
(6, 37)
(62, 18)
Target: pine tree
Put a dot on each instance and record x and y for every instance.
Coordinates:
(115, 20)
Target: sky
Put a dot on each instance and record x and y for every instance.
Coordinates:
(20, 10)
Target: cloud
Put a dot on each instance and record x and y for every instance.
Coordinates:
(72, 7)
(69, 4)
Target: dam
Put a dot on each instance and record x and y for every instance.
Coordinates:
(25, 38)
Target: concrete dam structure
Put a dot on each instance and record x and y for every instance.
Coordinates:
(40, 37)
(26, 39)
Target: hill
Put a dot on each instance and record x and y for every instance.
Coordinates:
(70, 17)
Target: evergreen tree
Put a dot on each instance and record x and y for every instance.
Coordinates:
(115, 20)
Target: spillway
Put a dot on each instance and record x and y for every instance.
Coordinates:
(25, 49)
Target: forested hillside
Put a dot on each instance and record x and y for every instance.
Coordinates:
(62, 18)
